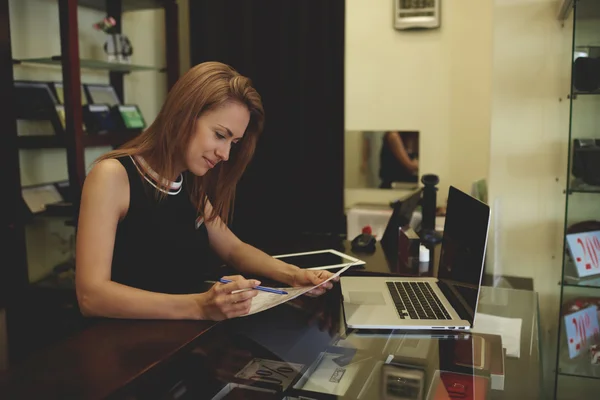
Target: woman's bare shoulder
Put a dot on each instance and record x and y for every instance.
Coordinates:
(108, 172)
(108, 179)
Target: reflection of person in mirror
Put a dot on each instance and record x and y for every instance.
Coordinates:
(369, 167)
(399, 158)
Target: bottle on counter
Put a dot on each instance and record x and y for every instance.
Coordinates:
(423, 260)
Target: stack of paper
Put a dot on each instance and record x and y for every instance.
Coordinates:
(508, 328)
(265, 300)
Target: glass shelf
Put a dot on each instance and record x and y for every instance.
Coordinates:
(570, 277)
(579, 366)
(91, 64)
(580, 93)
(578, 186)
(591, 282)
(96, 140)
(592, 371)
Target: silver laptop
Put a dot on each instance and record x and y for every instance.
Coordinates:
(446, 302)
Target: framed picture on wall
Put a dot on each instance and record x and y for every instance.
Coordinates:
(416, 14)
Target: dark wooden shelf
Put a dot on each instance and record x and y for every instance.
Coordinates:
(40, 142)
(66, 210)
(109, 139)
(128, 5)
(57, 142)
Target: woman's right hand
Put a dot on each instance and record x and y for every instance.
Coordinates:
(223, 301)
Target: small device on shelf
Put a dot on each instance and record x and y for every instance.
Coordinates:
(107, 113)
(60, 93)
(102, 94)
(98, 118)
(586, 160)
(586, 74)
(128, 117)
(35, 108)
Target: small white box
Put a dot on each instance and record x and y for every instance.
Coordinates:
(361, 215)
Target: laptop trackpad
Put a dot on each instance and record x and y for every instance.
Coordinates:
(367, 298)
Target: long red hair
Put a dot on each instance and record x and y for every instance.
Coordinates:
(204, 87)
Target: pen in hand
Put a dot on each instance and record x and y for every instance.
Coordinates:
(261, 288)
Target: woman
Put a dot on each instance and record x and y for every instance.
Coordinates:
(150, 210)
(399, 158)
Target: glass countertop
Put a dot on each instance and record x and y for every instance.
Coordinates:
(302, 350)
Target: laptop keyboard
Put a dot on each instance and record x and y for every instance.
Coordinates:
(416, 300)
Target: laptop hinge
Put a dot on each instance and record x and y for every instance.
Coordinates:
(456, 301)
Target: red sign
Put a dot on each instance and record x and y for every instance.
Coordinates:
(585, 250)
(582, 330)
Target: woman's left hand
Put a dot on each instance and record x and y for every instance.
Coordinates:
(308, 277)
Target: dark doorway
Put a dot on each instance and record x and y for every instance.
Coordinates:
(294, 53)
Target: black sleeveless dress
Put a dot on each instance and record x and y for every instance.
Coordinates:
(160, 245)
(392, 170)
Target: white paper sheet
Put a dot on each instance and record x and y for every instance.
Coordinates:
(328, 377)
(36, 198)
(508, 328)
(265, 300)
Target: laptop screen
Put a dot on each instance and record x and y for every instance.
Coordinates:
(464, 244)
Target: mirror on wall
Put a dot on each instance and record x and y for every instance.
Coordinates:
(381, 159)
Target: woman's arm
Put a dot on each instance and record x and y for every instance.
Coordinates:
(394, 141)
(250, 260)
(243, 257)
(104, 201)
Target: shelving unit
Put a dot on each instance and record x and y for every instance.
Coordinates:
(576, 371)
(75, 140)
(45, 311)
